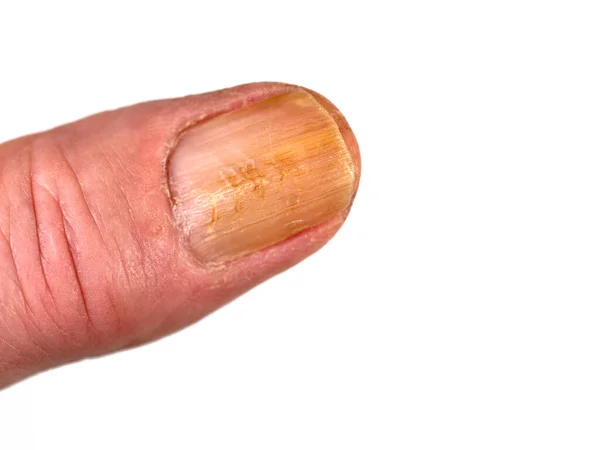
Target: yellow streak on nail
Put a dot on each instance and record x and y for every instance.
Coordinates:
(253, 177)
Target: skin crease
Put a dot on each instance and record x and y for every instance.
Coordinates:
(91, 260)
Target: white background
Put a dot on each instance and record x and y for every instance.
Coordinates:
(459, 305)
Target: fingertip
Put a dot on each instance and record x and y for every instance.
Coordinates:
(264, 170)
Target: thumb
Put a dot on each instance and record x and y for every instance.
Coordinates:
(128, 225)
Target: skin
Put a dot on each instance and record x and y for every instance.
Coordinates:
(91, 259)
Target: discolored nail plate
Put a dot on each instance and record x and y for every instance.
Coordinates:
(250, 178)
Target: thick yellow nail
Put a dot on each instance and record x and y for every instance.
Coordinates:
(250, 178)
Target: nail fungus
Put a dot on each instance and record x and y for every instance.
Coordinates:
(250, 178)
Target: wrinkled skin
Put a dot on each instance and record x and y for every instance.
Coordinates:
(91, 260)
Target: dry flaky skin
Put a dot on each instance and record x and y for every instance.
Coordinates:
(253, 177)
(93, 256)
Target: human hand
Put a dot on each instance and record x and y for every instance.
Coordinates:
(131, 224)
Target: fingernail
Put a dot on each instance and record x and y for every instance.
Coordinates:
(247, 179)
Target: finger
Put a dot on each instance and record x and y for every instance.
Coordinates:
(128, 225)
